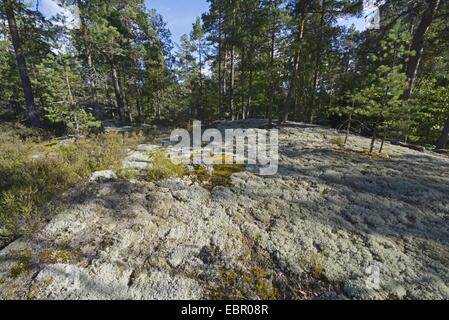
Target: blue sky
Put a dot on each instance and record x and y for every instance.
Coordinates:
(179, 14)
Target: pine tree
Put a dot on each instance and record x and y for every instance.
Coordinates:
(9, 7)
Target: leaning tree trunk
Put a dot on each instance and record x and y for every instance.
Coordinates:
(32, 115)
(418, 45)
(118, 93)
(444, 138)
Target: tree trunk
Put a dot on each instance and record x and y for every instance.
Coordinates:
(242, 83)
(444, 138)
(232, 85)
(201, 107)
(224, 84)
(291, 90)
(295, 68)
(32, 115)
(139, 104)
(384, 137)
(69, 87)
(348, 128)
(250, 92)
(373, 140)
(318, 58)
(90, 58)
(118, 93)
(128, 112)
(72, 100)
(220, 58)
(250, 78)
(418, 45)
(272, 85)
(301, 103)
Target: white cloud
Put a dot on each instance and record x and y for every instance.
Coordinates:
(51, 9)
(372, 14)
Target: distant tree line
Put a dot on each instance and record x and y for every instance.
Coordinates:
(278, 59)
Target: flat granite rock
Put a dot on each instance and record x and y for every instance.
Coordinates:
(334, 223)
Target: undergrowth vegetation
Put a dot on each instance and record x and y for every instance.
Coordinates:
(235, 285)
(32, 172)
(163, 168)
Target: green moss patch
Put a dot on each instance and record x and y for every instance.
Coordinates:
(235, 285)
(54, 256)
(23, 264)
(221, 175)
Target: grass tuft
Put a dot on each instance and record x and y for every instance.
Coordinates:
(163, 168)
(32, 173)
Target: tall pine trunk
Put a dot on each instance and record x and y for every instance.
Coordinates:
(242, 83)
(444, 138)
(272, 84)
(90, 57)
(418, 45)
(220, 62)
(32, 115)
(287, 107)
(317, 60)
(232, 85)
(224, 86)
(250, 80)
(118, 93)
(139, 104)
(202, 103)
(249, 96)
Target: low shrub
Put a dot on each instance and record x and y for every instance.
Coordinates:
(337, 140)
(163, 168)
(31, 174)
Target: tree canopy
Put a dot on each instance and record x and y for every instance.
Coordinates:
(278, 59)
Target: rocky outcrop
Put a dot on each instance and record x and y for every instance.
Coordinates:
(334, 223)
(103, 176)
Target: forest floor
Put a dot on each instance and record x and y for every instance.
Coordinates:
(334, 223)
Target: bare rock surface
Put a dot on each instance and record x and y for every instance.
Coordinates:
(334, 223)
(102, 176)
